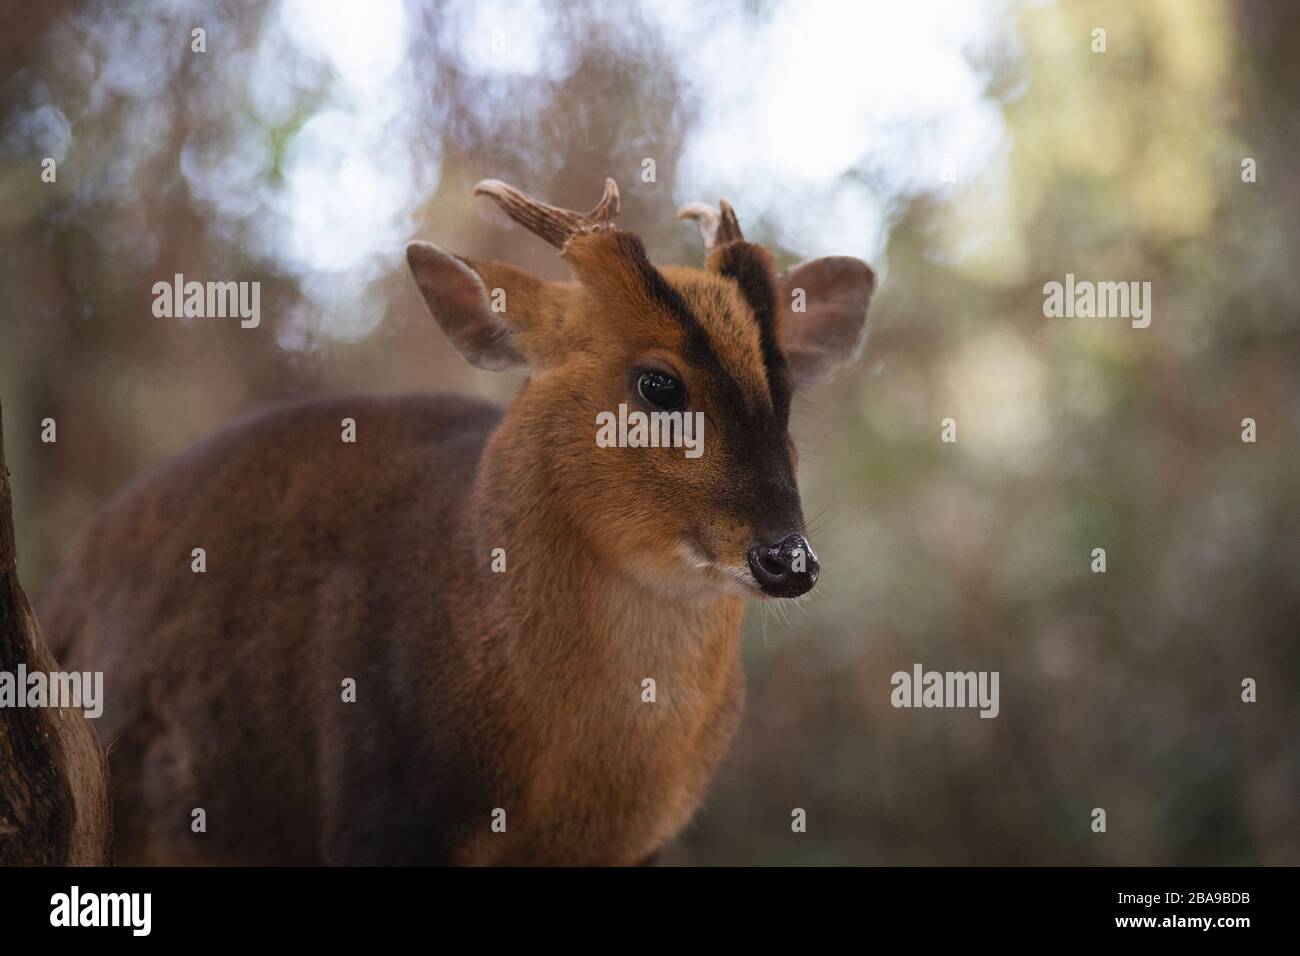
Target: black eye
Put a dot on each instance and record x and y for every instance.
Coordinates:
(661, 389)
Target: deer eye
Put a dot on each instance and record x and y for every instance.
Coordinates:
(660, 389)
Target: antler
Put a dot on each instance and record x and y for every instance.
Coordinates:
(556, 226)
(717, 226)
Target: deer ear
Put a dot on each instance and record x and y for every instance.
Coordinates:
(498, 317)
(458, 299)
(824, 323)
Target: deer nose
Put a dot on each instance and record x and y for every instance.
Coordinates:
(786, 569)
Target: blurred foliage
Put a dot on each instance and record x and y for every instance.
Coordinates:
(1119, 690)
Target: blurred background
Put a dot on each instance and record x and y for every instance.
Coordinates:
(971, 152)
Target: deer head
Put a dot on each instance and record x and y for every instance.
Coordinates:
(727, 341)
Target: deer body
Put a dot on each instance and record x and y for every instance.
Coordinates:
(500, 715)
(531, 703)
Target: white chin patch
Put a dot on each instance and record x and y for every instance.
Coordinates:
(692, 557)
(741, 581)
(731, 579)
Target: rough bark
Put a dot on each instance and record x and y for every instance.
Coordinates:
(54, 807)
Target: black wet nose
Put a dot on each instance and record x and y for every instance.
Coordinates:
(786, 569)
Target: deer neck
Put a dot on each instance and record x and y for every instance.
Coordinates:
(560, 605)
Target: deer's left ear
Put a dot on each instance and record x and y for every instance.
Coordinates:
(824, 315)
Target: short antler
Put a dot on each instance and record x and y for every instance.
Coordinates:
(717, 226)
(556, 226)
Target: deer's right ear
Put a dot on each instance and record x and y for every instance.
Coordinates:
(496, 315)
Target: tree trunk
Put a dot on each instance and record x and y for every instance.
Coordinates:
(54, 807)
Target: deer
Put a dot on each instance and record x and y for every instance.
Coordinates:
(499, 590)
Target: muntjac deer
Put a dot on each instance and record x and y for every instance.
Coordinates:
(500, 588)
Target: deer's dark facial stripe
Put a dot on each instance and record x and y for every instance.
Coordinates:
(698, 351)
(757, 442)
(755, 423)
(744, 263)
